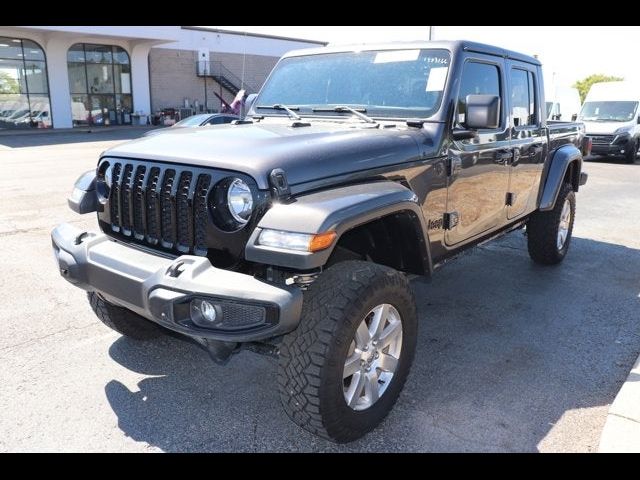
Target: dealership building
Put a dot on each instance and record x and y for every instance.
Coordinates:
(63, 77)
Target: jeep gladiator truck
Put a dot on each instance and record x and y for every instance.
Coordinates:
(293, 232)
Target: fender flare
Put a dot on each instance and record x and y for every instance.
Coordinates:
(560, 162)
(337, 209)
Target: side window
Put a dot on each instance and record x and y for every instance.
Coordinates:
(216, 121)
(477, 79)
(523, 101)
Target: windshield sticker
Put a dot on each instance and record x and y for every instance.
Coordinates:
(437, 77)
(397, 56)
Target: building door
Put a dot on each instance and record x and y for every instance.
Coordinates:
(479, 174)
(100, 85)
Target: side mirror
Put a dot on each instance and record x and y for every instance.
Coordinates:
(574, 117)
(483, 112)
(639, 119)
(248, 103)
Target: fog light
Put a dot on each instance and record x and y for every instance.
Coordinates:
(203, 313)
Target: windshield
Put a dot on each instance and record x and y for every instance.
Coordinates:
(389, 83)
(192, 121)
(608, 111)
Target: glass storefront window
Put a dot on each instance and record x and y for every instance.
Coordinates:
(12, 77)
(24, 88)
(32, 51)
(100, 78)
(77, 78)
(100, 84)
(98, 53)
(80, 110)
(36, 75)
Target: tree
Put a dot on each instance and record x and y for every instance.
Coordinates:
(584, 85)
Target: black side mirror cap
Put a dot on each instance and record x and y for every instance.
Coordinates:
(483, 112)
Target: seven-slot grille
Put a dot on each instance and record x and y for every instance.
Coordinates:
(601, 139)
(160, 205)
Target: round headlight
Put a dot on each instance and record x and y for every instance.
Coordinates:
(239, 201)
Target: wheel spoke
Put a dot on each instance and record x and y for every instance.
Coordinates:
(380, 315)
(362, 336)
(389, 335)
(352, 365)
(355, 389)
(387, 362)
(371, 387)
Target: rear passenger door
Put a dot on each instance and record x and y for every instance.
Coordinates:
(478, 176)
(528, 138)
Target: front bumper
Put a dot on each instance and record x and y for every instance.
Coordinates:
(160, 288)
(619, 146)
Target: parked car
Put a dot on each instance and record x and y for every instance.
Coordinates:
(611, 118)
(292, 233)
(199, 120)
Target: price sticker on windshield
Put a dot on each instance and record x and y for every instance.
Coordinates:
(397, 56)
(437, 77)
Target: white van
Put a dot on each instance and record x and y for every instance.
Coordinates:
(610, 116)
(563, 104)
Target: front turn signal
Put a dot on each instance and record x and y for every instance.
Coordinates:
(321, 241)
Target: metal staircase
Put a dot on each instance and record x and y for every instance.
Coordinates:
(225, 77)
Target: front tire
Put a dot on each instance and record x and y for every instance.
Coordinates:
(549, 233)
(123, 321)
(631, 155)
(342, 370)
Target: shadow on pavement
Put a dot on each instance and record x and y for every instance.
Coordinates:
(63, 138)
(505, 348)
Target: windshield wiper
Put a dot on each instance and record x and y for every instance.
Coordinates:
(289, 110)
(343, 108)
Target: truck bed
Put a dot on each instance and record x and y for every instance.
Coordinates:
(563, 133)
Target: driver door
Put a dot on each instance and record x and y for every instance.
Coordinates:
(479, 172)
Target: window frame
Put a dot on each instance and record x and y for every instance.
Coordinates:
(532, 88)
(501, 84)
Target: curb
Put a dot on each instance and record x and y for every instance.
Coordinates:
(621, 433)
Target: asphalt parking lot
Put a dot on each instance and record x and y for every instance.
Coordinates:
(511, 356)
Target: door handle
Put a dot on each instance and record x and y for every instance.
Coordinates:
(502, 157)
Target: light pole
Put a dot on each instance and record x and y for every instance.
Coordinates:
(205, 89)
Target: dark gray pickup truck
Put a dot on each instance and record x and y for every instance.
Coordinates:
(292, 232)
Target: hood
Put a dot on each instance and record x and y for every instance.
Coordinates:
(324, 149)
(604, 128)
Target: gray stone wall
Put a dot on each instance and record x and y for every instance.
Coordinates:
(172, 75)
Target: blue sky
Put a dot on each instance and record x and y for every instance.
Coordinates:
(570, 53)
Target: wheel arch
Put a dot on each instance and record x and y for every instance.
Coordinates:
(373, 210)
(565, 166)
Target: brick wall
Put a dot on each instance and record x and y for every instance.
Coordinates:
(172, 74)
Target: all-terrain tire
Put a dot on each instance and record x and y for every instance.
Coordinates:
(543, 228)
(312, 357)
(123, 321)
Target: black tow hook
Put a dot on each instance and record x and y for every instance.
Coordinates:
(219, 351)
